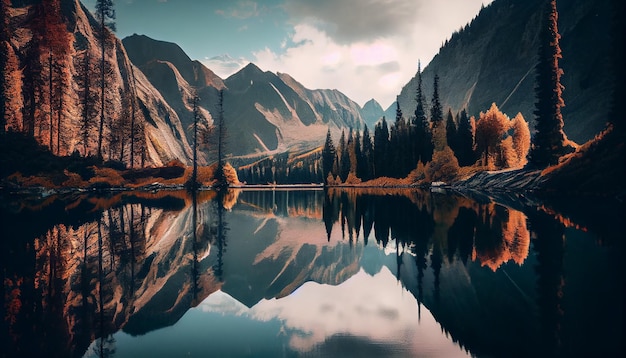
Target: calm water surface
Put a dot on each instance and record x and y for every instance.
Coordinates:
(356, 273)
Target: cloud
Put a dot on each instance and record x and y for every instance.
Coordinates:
(364, 48)
(243, 10)
(348, 21)
(224, 65)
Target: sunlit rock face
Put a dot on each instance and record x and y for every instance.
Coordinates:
(160, 135)
(264, 112)
(493, 60)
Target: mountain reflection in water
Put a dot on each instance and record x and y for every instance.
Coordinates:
(284, 273)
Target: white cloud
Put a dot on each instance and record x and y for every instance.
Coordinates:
(365, 49)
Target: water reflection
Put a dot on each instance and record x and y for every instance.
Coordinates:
(275, 273)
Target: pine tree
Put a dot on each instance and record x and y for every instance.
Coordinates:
(549, 142)
(451, 131)
(381, 149)
(436, 111)
(465, 140)
(421, 134)
(367, 169)
(328, 155)
(220, 175)
(105, 13)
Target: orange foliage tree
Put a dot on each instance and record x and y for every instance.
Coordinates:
(490, 130)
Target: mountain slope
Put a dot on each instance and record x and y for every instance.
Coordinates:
(159, 129)
(492, 60)
(265, 113)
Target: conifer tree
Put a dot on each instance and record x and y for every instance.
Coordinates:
(549, 142)
(436, 111)
(421, 134)
(367, 169)
(105, 13)
(465, 140)
(381, 149)
(328, 155)
(451, 131)
(344, 157)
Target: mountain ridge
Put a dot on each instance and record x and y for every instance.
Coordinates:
(492, 59)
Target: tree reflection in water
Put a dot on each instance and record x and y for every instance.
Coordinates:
(500, 279)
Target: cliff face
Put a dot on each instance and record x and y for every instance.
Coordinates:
(149, 92)
(265, 113)
(52, 104)
(492, 59)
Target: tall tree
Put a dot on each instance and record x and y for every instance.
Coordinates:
(87, 98)
(521, 139)
(549, 141)
(367, 168)
(422, 136)
(193, 181)
(465, 139)
(105, 14)
(328, 155)
(381, 149)
(5, 37)
(451, 130)
(436, 117)
(220, 174)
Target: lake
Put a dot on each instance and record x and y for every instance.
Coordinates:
(314, 273)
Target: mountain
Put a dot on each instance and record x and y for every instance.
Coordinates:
(371, 112)
(160, 133)
(154, 82)
(492, 59)
(265, 113)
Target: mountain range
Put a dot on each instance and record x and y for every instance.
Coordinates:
(268, 113)
(492, 59)
(264, 111)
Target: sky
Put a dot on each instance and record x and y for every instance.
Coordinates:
(364, 48)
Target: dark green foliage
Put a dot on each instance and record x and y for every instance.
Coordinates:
(20, 152)
(421, 136)
(365, 170)
(451, 131)
(465, 141)
(436, 110)
(344, 159)
(382, 160)
(549, 141)
(328, 155)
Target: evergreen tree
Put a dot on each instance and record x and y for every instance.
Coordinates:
(465, 140)
(451, 131)
(381, 149)
(367, 169)
(328, 155)
(344, 158)
(105, 13)
(549, 142)
(436, 111)
(220, 174)
(421, 134)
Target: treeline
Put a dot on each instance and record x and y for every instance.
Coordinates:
(427, 147)
(59, 87)
(283, 169)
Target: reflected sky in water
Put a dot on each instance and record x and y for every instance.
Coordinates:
(308, 273)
